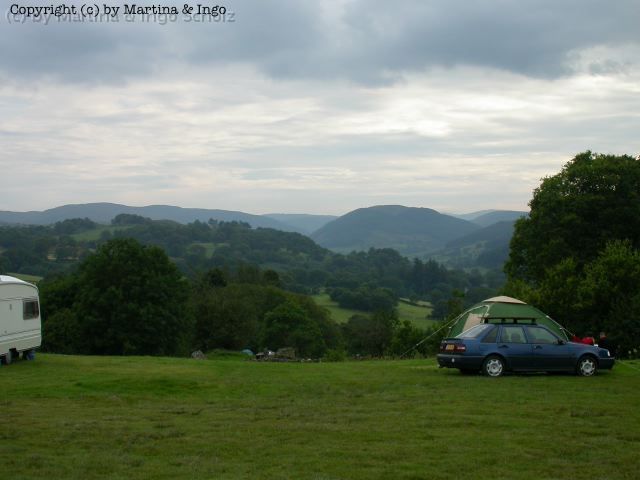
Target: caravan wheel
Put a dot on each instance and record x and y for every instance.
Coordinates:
(29, 354)
(8, 358)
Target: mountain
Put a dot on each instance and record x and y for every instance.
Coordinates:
(487, 247)
(302, 223)
(494, 216)
(105, 212)
(470, 216)
(411, 231)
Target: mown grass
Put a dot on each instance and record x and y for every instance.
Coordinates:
(418, 315)
(148, 418)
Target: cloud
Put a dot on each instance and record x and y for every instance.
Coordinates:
(317, 107)
(370, 42)
(446, 139)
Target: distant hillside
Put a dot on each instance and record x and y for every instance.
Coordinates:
(302, 223)
(487, 247)
(470, 216)
(105, 212)
(495, 216)
(411, 231)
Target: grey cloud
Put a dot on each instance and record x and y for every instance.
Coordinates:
(371, 42)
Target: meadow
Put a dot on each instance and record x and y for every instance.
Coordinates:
(166, 418)
(417, 314)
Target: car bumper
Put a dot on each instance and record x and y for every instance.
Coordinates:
(459, 361)
(606, 363)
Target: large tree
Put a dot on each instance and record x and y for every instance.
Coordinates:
(594, 199)
(576, 255)
(126, 299)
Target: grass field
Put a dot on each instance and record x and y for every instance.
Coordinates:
(159, 418)
(25, 277)
(416, 314)
(95, 233)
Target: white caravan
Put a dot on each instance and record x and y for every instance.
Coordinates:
(20, 326)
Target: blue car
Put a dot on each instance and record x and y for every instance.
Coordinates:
(497, 348)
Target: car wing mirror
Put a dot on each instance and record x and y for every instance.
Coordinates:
(561, 342)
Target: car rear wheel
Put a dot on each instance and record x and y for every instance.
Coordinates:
(587, 367)
(493, 366)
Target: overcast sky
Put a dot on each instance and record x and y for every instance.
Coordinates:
(315, 106)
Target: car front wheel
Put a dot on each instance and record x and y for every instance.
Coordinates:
(587, 367)
(493, 366)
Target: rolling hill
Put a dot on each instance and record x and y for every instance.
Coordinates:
(301, 222)
(487, 247)
(411, 231)
(105, 212)
(495, 216)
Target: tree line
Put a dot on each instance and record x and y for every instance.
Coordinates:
(131, 299)
(363, 280)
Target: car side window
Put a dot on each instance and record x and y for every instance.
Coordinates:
(513, 334)
(540, 335)
(491, 337)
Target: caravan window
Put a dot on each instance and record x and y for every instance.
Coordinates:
(30, 309)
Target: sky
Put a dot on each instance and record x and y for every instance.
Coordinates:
(322, 107)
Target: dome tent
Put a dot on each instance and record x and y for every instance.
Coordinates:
(503, 310)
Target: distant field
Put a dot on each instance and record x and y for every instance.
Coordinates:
(25, 277)
(339, 314)
(209, 247)
(94, 234)
(159, 418)
(417, 315)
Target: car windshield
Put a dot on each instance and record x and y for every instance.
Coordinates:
(476, 331)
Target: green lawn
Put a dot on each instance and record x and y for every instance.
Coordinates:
(416, 314)
(158, 418)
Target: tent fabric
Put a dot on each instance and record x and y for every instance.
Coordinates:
(503, 309)
(503, 299)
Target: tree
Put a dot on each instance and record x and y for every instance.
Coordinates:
(609, 294)
(370, 335)
(73, 225)
(405, 337)
(576, 256)
(226, 316)
(289, 326)
(130, 301)
(594, 199)
(130, 219)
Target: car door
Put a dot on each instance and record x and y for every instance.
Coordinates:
(548, 351)
(514, 347)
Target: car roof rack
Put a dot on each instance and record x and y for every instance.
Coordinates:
(525, 320)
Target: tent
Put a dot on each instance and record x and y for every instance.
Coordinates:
(503, 310)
